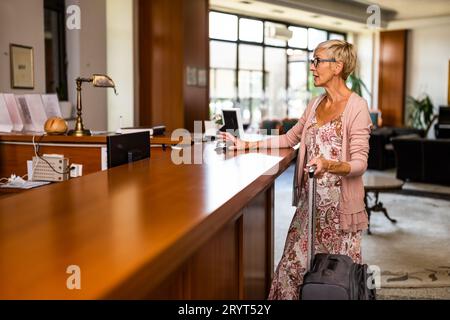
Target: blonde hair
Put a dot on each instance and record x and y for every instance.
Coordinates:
(341, 51)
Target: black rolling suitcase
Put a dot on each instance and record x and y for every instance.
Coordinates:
(332, 276)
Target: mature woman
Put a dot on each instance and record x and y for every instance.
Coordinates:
(334, 134)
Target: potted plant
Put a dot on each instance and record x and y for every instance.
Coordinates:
(357, 85)
(420, 112)
(217, 119)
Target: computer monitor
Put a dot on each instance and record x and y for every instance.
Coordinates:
(444, 115)
(232, 121)
(126, 148)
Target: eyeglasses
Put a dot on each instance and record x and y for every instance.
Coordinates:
(316, 61)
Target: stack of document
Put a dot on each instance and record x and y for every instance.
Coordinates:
(27, 112)
(155, 130)
(6, 124)
(134, 129)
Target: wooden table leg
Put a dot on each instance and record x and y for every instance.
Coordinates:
(368, 210)
(377, 207)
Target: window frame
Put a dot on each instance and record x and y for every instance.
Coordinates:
(264, 45)
(58, 6)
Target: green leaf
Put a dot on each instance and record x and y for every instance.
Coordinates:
(420, 112)
(357, 85)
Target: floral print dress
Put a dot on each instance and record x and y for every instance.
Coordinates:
(325, 141)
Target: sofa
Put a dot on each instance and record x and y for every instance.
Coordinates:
(282, 126)
(271, 126)
(422, 160)
(381, 153)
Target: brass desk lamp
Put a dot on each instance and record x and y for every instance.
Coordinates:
(98, 80)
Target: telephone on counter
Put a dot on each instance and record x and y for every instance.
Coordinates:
(49, 168)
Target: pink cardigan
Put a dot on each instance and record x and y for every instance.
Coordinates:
(355, 146)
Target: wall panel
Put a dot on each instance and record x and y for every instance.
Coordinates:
(392, 75)
(172, 36)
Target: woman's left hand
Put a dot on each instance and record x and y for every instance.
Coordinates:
(321, 164)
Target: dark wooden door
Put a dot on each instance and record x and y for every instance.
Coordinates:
(392, 72)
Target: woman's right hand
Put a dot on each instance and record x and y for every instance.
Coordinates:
(238, 144)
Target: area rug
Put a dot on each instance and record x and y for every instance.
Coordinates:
(413, 294)
(413, 253)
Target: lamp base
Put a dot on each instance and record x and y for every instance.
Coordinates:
(79, 133)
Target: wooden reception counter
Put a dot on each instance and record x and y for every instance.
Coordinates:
(90, 151)
(148, 230)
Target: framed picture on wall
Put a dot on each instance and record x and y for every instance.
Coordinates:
(22, 67)
(202, 74)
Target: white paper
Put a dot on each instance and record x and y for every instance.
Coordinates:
(14, 111)
(37, 111)
(51, 105)
(24, 113)
(5, 120)
(33, 114)
(134, 130)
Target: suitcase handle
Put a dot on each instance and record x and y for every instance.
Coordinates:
(311, 216)
(311, 170)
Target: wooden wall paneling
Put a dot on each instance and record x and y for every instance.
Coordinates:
(254, 259)
(161, 44)
(392, 75)
(172, 35)
(145, 62)
(167, 93)
(213, 271)
(270, 236)
(173, 288)
(196, 54)
(240, 223)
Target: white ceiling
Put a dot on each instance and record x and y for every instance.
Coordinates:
(286, 14)
(339, 15)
